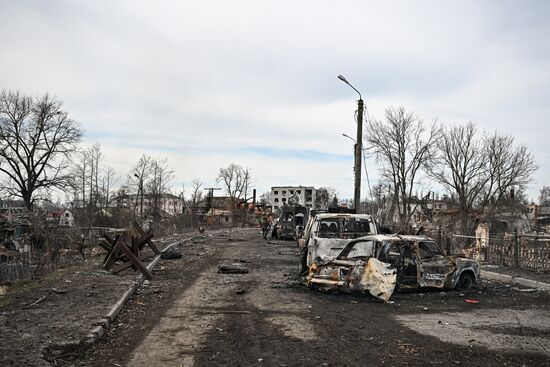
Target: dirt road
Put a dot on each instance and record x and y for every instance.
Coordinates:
(192, 316)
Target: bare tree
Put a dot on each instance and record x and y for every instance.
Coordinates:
(158, 184)
(94, 156)
(248, 182)
(402, 146)
(149, 178)
(377, 204)
(324, 196)
(233, 178)
(511, 167)
(79, 179)
(237, 181)
(109, 179)
(196, 197)
(138, 174)
(461, 168)
(480, 172)
(196, 193)
(544, 196)
(36, 139)
(92, 185)
(265, 198)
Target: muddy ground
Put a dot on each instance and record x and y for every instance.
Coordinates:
(191, 315)
(41, 319)
(541, 276)
(267, 318)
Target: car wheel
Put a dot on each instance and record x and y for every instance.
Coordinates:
(466, 281)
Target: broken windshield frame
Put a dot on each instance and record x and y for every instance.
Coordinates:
(343, 228)
(429, 249)
(358, 249)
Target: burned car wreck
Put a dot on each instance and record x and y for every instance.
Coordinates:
(379, 264)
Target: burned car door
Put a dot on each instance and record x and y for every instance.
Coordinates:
(354, 270)
(403, 257)
(435, 269)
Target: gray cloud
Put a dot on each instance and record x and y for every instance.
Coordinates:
(181, 77)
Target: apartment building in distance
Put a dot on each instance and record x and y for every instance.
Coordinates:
(292, 195)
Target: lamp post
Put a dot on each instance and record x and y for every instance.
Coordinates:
(358, 147)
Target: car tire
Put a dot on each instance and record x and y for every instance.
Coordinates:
(466, 281)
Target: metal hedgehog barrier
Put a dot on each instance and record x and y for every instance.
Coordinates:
(128, 250)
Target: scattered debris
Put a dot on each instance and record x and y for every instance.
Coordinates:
(171, 253)
(526, 290)
(471, 301)
(37, 301)
(232, 269)
(59, 291)
(4, 289)
(244, 312)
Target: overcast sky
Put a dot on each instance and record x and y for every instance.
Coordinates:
(207, 83)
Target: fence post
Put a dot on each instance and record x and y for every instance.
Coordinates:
(448, 245)
(516, 248)
(439, 235)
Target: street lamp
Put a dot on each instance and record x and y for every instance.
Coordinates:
(349, 137)
(358, 147)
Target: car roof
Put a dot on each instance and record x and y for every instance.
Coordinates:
(342, 215)
(393, 238)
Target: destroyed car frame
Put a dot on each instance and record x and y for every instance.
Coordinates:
(340, 228)
(292, 222)
(380, 263)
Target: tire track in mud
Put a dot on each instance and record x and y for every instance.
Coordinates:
(180, 333)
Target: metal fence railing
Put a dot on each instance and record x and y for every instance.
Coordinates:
(523, 251)
(520, 251)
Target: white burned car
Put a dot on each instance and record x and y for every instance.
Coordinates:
(326, 234)
(380, 263)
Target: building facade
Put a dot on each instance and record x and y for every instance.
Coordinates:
(167, 203)
(292, 195)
